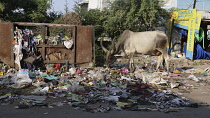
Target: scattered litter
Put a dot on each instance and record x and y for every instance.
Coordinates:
(97, 89)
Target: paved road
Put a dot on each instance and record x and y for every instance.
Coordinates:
(67, 111)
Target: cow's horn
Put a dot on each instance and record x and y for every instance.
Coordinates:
(101, 43)
(113, 47)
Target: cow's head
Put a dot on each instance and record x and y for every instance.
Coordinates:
(110, 58)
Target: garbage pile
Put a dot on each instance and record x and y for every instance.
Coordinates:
(98, 89)
(25, 48)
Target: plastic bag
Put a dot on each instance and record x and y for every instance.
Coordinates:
(22, 79)
(68, 44)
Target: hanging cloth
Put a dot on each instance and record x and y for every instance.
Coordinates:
(200, 36)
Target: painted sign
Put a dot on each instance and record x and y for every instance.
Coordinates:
(198, 21)
(186, 14)
(185, 23)
(189, 20)
(190, 39)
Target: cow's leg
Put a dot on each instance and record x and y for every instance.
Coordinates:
(160, 59)
(131, 62)
(166, 58)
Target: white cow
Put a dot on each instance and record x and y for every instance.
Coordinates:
(148, 43)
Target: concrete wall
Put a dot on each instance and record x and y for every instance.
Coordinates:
(98, 4)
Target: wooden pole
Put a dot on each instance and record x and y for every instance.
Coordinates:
(194, 4)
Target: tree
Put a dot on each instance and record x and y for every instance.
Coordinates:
(66, 7)
(90, 17)
(27, 11)
(135, 15)
(39, 13)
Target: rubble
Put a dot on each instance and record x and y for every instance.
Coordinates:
(102, 89)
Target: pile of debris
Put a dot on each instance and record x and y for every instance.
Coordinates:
(98, 89)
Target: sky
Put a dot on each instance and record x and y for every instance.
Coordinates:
(58, 5)
(188, 4)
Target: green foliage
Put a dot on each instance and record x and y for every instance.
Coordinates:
(40, 11)
(135, 15)
(1, 7)
(66, 7)
(151, 15)
(99, 55)
(27, 11)
(92, 17)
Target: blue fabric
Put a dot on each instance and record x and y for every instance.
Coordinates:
(183, 32)
(185, 49)
(49, 77)
(30, 66)
(200, 53)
